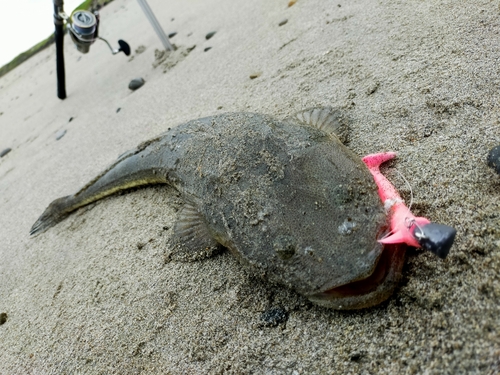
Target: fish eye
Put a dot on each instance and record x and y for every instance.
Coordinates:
(284, 246)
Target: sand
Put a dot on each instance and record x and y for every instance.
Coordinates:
(97, 295)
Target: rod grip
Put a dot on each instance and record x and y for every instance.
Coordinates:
(59, 39)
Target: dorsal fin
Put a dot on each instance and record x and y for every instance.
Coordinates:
(327, 119)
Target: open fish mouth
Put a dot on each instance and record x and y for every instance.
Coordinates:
(370, 291)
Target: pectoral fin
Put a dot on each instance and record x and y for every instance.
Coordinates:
(191, 238)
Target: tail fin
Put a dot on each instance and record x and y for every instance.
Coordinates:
(385, 189)
(57, 211)
(373, 161)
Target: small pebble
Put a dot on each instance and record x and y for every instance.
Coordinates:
(118, 109)
(5, 152)
(274, 316)
(493, 158)
(136, 83)
(207, 49)
(255, 75)
(70, 119)
(189, 49)
(283, 22)
(60, 134)
(355, 356)
(291, 3)
(210, 34)
(3, 318)
(171, 35)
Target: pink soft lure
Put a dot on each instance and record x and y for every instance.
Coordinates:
(405, 227)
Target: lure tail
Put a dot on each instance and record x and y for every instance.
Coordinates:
(405, 227)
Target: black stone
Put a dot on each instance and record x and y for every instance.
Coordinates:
(274, 316)
(210, 34)
(283, 22)
(3, 318)
(494, 159)
(171, 35)
(136, 83)
(207, 49)
(356, 356)
(118, 109)
(5, 152)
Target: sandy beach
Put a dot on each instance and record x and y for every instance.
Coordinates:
(97, 293)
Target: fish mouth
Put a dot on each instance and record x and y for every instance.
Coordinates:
(370, 291)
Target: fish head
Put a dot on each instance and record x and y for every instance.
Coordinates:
(322, 238)
(303, 211)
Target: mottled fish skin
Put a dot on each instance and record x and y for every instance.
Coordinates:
(289, 200)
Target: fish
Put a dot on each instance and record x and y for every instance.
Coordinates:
(286, 197)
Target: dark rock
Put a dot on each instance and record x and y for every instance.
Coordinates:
(171, 35)
(60, 134)
(355, 356)
(283, 22)
(118, 109)
(136, 83)
(189, 49)
(274, 316)
(5, 152)
(255, 75)
(207, 49)
(493, 158)
(210, 34)
(3, 318)
(70, 119)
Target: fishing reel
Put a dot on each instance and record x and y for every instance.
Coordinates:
(83, 28)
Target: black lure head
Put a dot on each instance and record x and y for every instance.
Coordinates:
(437, 238)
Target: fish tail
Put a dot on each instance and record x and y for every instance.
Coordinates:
(53, 214)
(134, 170)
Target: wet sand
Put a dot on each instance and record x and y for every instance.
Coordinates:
(96, 294)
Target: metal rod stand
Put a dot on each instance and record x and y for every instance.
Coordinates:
(156, 26)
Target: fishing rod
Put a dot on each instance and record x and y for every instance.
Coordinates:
(83, 27)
